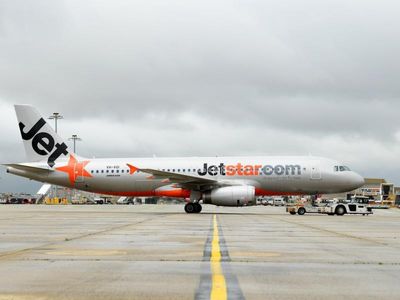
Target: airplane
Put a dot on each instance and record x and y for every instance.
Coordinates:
(222, 181)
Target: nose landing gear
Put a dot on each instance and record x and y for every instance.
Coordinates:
(194, 207)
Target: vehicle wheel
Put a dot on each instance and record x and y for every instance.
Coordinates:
(292, 212)
(340, 210)
(301, 211)
(198, 208)
(190, 208)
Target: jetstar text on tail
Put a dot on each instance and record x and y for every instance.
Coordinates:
(42, 142)
(249, 170)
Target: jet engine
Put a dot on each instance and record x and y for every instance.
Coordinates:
(241, 195)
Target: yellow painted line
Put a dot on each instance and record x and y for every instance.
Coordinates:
(218, 287)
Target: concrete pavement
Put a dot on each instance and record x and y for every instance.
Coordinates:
(159, 252)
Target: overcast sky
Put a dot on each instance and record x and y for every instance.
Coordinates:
(193, 78)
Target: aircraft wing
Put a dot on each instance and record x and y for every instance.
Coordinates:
(182, 179)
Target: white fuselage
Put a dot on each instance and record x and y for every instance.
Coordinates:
(270, 175)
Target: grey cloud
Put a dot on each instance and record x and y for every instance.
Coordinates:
(208, 77)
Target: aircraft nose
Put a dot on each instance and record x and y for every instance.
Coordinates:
(357, 180)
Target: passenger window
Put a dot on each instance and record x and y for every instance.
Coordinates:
(97, 171)
(102, 171)
(107, 171)
(117, 171)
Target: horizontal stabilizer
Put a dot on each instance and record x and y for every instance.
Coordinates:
(30, 168)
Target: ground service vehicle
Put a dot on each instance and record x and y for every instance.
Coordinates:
(331, 209)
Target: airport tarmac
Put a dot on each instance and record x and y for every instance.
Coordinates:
(160, 252)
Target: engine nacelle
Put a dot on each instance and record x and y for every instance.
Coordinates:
(240, 195)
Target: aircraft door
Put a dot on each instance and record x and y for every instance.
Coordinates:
(316, 170)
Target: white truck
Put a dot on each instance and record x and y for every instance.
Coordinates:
(126, 200)
(279, 201)
(331, 209)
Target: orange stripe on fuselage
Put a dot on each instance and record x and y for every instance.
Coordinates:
(178, 193)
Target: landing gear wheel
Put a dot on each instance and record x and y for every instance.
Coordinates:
(198, 207)
(301, 211)
(340, 210)
(190, 208)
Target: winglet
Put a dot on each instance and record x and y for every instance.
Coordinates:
(132, 169)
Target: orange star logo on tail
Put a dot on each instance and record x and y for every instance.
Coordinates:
(75, 169)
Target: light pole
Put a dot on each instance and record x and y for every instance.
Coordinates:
(75, 138)
(56, 116)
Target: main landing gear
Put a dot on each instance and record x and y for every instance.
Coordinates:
(193, 208)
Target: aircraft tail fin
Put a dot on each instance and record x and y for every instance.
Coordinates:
(41, 142)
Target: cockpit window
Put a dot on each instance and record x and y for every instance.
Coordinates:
(341, 168)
